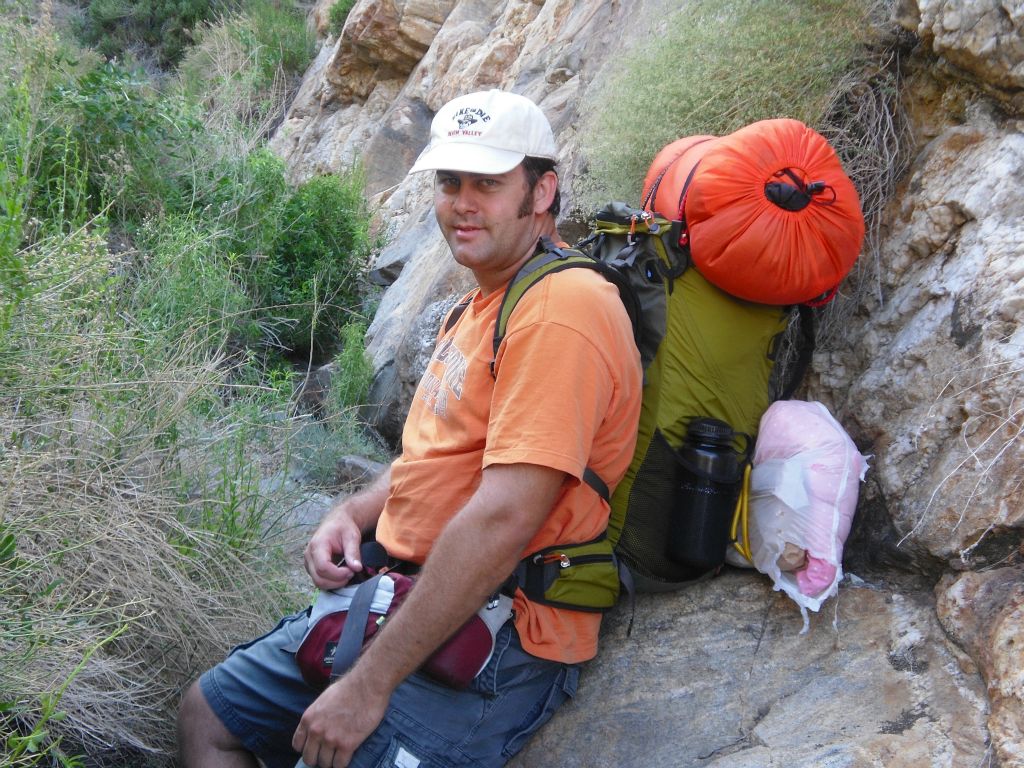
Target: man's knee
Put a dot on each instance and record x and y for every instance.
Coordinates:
(200, 730)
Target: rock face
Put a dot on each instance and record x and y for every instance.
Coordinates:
(720, 676)
(981, 37)
(938, 358)
(926, 375)
(983, 613)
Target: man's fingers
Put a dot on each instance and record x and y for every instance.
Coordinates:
(318, 754)
(299, 738)
(332, 554)
(351, 541)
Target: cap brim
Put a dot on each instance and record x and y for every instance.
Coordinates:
(467, 158)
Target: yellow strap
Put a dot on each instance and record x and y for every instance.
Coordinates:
(741, 518)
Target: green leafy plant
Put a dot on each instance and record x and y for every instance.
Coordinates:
(116, 27)
(122, 137)
(15, 186)
(339, 14)
(189, 288)
(318, 266)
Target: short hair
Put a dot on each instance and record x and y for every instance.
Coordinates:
(535, 167)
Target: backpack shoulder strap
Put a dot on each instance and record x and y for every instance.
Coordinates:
(547, 259)
(456, 312)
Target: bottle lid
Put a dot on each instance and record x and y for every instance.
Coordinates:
(710, 430)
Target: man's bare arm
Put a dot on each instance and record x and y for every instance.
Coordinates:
(474, 555)
(341, 531)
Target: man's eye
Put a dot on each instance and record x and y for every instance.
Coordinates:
(447, 182)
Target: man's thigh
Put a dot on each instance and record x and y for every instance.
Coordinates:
(429, 725)
(259, 695)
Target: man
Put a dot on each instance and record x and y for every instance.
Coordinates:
(490, 472)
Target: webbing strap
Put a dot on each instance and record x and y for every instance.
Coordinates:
(652, 193)
(455, 314)
(550, 258)
(350, 643)
(591, 478)
(683, 191)
(547, 258)
(805, 353)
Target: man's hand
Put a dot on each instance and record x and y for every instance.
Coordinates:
(341, 532)
(338, 536)
(340, 719)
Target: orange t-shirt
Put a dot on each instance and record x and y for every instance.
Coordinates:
(566, 395)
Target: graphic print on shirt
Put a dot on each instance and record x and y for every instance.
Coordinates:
(434, 389)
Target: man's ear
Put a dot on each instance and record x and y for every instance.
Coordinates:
(544, 192)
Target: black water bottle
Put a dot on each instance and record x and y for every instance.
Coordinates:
(708, 487)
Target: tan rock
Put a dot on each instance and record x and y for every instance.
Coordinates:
(383, 40)
(982, 37)
(718, 675)
(984, 614)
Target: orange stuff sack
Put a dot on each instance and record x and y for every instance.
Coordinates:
(769, 214)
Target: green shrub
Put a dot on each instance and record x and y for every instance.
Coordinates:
(242, 198)
(116, 27)
(339, 14)
(317, 271)
(244, 65)
(718, 65)
(132, 145)
(350, 387)
(189, 288)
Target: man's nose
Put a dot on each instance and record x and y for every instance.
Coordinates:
(465, 199)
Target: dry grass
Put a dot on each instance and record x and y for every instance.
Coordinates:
(711, 68)
(870, 132)
(221, 69)
(108, 547)
(131, 570)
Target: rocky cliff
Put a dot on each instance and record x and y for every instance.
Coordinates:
(918, 661)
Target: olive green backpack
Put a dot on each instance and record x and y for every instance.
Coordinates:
(704, 353)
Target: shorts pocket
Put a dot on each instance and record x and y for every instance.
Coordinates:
(401, 754)
(563, 689)
(284, 641)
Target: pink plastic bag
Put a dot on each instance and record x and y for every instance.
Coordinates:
(803, 493)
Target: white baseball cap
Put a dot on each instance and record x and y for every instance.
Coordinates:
(486, 132)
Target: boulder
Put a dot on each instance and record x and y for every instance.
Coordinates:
(984, 614)
(933, 365)
(981, 38)
(718, 675)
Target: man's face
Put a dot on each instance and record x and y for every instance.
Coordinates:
(488, 221)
